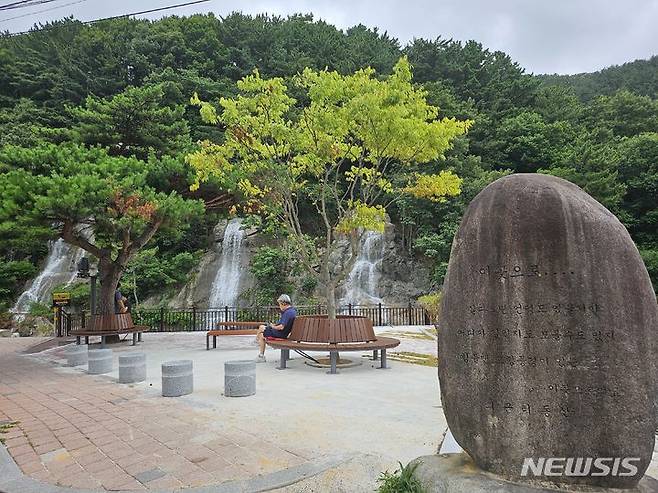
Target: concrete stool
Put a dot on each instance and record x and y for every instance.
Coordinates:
(177, 378)
(76, 355)
(132, 368)
(100, 361)
(239, 378)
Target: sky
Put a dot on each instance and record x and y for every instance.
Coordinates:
(544, 36)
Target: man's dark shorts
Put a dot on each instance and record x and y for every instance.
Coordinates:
(270, 332)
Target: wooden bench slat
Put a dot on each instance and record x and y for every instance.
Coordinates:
(379, 343)
(233, 332)
(85, 332)
(239, 324)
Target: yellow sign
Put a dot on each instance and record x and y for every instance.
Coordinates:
(61, 299)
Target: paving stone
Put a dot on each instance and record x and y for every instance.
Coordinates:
(150, 475)
(56, 454)
(167, 482)
(21, 449)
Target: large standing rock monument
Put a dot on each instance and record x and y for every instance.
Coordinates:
(545, 337)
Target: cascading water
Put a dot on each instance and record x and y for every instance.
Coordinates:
(60, 268)
(225, 287)
(361, 286)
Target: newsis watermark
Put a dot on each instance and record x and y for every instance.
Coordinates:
(579, 466)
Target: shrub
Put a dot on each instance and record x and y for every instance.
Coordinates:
(400, 481)
(432, 304)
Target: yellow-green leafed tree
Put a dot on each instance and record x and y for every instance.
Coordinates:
(342, 154)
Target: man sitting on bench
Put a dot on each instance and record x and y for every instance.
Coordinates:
(279, 330)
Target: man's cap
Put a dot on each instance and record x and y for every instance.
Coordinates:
(284, 298)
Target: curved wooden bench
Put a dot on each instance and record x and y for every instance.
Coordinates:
(109, 325)
(345, 333)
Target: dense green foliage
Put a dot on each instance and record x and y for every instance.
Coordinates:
(270, 267)
(401, 480)
(640, 77)
(125, 85)
(351, 148)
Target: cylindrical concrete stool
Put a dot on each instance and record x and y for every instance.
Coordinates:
(100, 361)
(132, 368)
(76, 355)
(177, 378)
(239, 378)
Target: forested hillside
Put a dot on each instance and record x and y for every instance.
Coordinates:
(640, 77)
(108, 103)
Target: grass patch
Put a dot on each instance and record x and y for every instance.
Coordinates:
(415, 358)
(426, 334)
(400, 481)
(5, 427)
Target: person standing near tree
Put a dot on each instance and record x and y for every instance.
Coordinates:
(119, 301)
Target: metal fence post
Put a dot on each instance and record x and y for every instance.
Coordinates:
(379, 310)
(161, 319)
(226, 313)
(349, 309)
(410, 319)
(193, 317)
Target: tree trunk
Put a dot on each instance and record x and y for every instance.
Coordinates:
(109, 275)
(331, 301)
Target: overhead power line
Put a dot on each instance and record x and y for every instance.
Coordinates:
(43, 10)
(24, 4)
(94, 21)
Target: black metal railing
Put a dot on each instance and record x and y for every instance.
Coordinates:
(195, 319)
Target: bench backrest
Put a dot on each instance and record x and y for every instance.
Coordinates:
(345, 328)
(110, 321)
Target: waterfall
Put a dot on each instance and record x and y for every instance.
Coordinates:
(60, 268)
(362, 284)
(225, 287)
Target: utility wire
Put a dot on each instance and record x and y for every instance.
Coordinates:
(43, 10)
(25, 4)
(94, 21)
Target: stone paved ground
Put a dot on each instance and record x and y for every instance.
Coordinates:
(87, 432)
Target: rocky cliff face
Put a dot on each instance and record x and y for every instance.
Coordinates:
(386, 273)
(207, 284)
(60, 267)
(399, 277)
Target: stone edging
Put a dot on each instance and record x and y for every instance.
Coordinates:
(12, 479)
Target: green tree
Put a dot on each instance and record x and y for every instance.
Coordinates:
(637, 157)
(624, 114)
(132, 123)
(344, 154)
(270, 267)
(102, 204)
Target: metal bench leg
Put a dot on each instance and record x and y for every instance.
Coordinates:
(77, 340)
(214, 342)
(284, 357)
(333, 356)
(139, 337)
(207, 342)
(87, 340)
(383, 365)
(102, 342)
(375, 354)
(134, 338)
